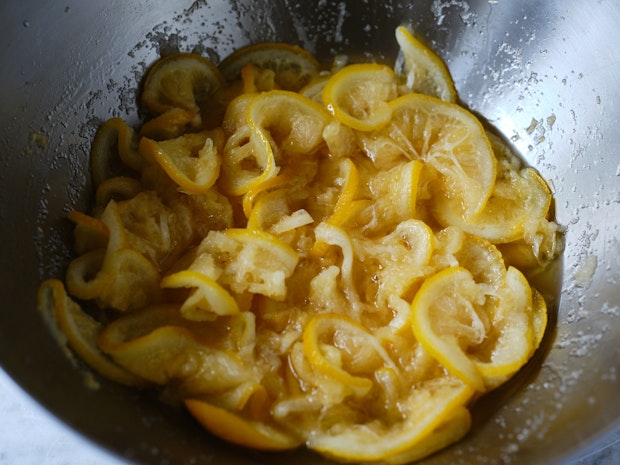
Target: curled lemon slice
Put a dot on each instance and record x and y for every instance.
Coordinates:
(424, 71)
(427, 409)
(181, 80)
(287, 122)
(293, 66)
(114, 151)
(334, 344)
(238, 430)
(357, 95)
(89, 233)
(169, 125)
(192, 160)
(511, 343)
(116, 188)
(207, 299)
(448, 319)
(81, 331)
(519, 194)
(449, 139)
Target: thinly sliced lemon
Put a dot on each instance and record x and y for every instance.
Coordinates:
(238, 430)
(511, 343)
(81, 331)
(424, 71)
(451, 430)
(114, 151)
(427, 408)
(394, 194)
(449, 139)
(255, 79)
(540, 317)
(251, 260)
(181, 80)
(328, 338)
(294, 67)
(448, 319)
(287, 122)
(519, 195)
(83, 276)
(169, 125)
(89, 233)
(207, 299)
(483, 260)
(191, 160)
(358, 95)
(248, 159)
(117, 188)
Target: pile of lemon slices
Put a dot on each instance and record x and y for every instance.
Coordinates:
(330, 258)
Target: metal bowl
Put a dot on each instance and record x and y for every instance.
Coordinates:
(545, 74)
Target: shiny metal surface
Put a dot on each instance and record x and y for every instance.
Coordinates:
(546, 74)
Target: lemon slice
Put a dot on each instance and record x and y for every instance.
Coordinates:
(519, 194)
(192, 160)
(238, 430)
(447, 319)
(424, 71)
(89, 233)
(83, 278)
(169, 125)
(328, 338)
(207, 299)
(427, 409)
(294, 67)
(452, 429)
(247, 159)
(394, 193)
(181, 80)
(511, 343)
(117, 188)
(539, 317)
(287, 122)
(449, 139)
(483, 260)
(114, 151)
(357, 95)
(255, 79)
(81, 331)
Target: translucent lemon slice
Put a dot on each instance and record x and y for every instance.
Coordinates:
(206, 300)
(117, 188)
(238, 430)
(330, 338)
(424, 71)
(427, 409)
(287, 122)
(294, 67)
(357, 95)
(394, 193)
(511, 343)
(519, 194)
(539, 316)
(255, 79)
(449, 139)
(448, 319)
(114, 151)
(81, 331)
(169, 125)
(451, 430)
(83, 276)
(89, 233)
(192, 160)
(181, 80)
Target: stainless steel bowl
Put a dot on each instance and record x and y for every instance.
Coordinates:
(546, 74)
